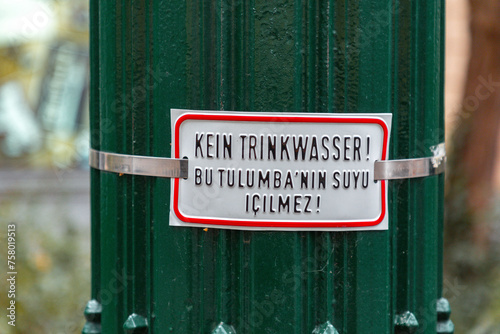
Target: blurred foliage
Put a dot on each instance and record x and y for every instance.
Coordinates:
(53, 282)
(44, 54)
(471, 252)
(472, 216)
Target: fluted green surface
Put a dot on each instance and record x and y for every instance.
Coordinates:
(305, 56)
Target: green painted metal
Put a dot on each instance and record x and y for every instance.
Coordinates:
(92, 314)
(224, 329)
(445, 325)
(326, 328)
(136, 324)
(255, 55)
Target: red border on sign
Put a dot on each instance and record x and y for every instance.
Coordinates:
(288, 119)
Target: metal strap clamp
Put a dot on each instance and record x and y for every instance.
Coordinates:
(412, 168)
(138, 165)
(178, 168)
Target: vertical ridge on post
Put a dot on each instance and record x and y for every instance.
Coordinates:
(400, 149)
(138, 142)
(441, 182)
(372, 48)
(109, 110)
(174, 278)
(430, 100)
(93, 324)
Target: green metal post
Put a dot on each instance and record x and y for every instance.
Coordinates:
(255, 55)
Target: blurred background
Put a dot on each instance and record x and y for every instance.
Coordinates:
(44, 181)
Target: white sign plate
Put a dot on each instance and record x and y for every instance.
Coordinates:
(280, 171)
